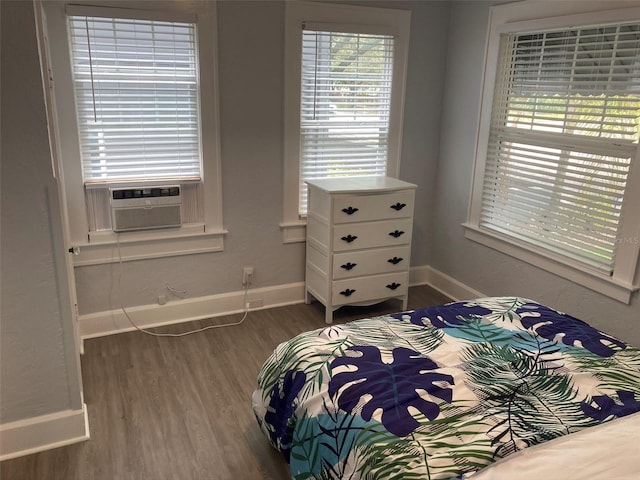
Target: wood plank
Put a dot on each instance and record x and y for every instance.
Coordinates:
(169, 408)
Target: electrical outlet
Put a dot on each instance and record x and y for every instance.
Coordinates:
(247, 275)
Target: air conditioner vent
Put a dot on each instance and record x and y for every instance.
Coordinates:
(145, 208)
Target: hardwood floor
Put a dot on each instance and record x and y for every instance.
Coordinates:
(180, 408)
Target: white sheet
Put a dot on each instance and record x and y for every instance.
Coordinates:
(607, 452)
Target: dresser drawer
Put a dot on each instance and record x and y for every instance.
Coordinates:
(363, 289)
(369, 262)
(352, 236)
(366, 207)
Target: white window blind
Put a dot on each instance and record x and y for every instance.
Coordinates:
(345, 105)
(136, 89)
(564, 132)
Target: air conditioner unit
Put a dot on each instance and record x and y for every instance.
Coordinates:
(145, 208)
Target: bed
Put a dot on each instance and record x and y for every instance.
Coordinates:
(461, 390)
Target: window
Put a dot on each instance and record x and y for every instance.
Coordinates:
(344, 106)
(135, 92)
(345, 75)
(555, 176)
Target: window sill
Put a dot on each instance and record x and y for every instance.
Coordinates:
(108, 248)
(294, 232)
(553, 263)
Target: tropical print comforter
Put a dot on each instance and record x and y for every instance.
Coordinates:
(439, 392)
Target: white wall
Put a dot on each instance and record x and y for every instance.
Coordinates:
(251, 49)
(479, 267)
(39, 368)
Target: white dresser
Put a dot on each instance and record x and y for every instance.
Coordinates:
(358, 241)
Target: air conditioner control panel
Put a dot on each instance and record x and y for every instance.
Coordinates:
(131, 197)
(121, 193)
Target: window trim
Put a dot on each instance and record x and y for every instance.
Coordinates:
(382, 20)
(520, 18)
(99, 247)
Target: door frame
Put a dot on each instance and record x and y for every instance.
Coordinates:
(57, 198)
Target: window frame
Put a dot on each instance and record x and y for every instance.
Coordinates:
(352, 19)
(521, 18)
(97, 247)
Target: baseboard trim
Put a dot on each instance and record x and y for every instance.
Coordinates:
(33, 435)
(419, 275)
(147, 316)
(445, 284)
(111, 322)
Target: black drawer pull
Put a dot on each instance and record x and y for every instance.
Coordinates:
(347, 292)
(395, 260)
(348, 265)
(350, 238)
(350, 210)
(393, 285)
(398, 206)
(396, 233)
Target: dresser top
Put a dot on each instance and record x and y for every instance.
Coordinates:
(359, 184)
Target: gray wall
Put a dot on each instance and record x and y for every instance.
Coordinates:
(251, 62)
(39, 365)
(482, 268)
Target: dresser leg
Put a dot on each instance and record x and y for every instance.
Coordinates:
(405, 303)
(328, 315)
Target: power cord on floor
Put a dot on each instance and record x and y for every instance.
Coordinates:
(154, 334)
